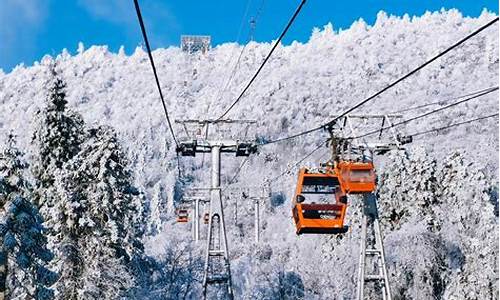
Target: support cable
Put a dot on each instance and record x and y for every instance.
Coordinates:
(437, 129)
(290, 22)
(453, 125)
(238, 171)
(272, 180)
(143, 29)
(236, 65)
(441, 102)
(222, 89)
(476, 95)
(330, 123)
(491, 90)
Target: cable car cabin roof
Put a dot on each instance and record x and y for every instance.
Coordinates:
(316, 183)
(356, 165)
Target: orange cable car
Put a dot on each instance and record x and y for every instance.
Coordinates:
(182, 215)
(313, 210)
(356, 177)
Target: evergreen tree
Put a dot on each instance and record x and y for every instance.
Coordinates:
(96, 214)
(57, 138)
(58, 135)
(24, 254)
(102, 216)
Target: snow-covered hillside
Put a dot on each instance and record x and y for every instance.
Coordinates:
(445, 190)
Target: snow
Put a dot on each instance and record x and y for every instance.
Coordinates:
(441, 198)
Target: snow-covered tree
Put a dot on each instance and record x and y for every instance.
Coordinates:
(446, 211)
(57, 138)
(409, 179)
(102, 221)
(416, 272)
(58, 134)
(24, 255)
(305, 84)
(176, 274)
(469, 225)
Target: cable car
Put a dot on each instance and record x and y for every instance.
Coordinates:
(356, 177)
(319, 204)
(182, 215)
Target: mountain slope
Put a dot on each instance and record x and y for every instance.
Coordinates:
(302, 86)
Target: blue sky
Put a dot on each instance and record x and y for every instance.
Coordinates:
(30, 29)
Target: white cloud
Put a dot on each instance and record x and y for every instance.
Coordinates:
(20, 21)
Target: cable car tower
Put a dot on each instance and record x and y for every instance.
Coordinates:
(209, 136)
(348, 155)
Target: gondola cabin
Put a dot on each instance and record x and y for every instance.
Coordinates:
(356, 177)
(182, 215)
(319, 205)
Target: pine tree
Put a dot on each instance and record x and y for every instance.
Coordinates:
(24, 255)
(102, 218)
(57, 138)
(58, 135)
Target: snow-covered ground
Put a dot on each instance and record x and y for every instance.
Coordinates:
(446, 243)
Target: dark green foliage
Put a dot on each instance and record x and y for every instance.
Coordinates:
(58, 135)
(58, 95)
(277, 199)
(46, 276)
(43, 293)
(21, 231)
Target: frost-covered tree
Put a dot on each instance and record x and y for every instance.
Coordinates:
(58, 134)
(57, 138)
(305, 85)
(176, 274)
(445, 210)
(416, 272)
(272, 281)
(409, 179)
(24, 255)
(468, 223)
(102, 221)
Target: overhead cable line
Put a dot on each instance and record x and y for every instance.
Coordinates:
(270, 181)
(274, 179)
(453, 125)
(413, 135)
(290, 22)
(476, 95)
(143, 29)
(238, 171)
(440, 102)
(235, 67)
(488, 91)
(330, 123)
(222, 89)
